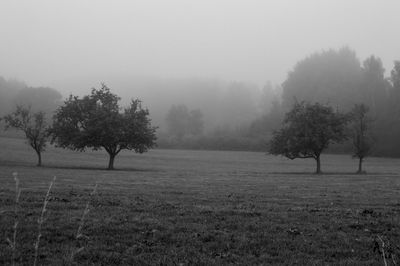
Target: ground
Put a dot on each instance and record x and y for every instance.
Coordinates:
(174, 207)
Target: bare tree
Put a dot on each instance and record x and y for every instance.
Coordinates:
(362, 139)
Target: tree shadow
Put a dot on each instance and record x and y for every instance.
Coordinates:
(98, 168)
(336, 173)
(76, 167)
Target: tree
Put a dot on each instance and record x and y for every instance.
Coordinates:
(33, 125)
(39, 98)
(8, 91)
(196, 123)
(181, 121)
(374, 85)
(333, 76)
(395, 75)
(238, 105)
(95, 121)
(307, 130)
(362, 140)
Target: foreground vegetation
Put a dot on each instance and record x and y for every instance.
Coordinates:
(197, 207)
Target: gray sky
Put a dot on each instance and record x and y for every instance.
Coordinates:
(48, 42)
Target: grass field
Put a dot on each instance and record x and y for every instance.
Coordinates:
(174, 207)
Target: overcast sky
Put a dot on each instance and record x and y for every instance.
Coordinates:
(48, 42)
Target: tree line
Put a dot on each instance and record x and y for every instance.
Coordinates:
(246, 121)
(13, 92)
(337, 78)
(333, 77)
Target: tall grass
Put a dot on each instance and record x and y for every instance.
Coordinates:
(41, 220)
(79, 233)
(13, 243)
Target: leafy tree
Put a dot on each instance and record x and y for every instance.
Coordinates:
(307, 130)
(362, 140)
(374, 85)
(95, 121)
(33, 125)
(332, 76)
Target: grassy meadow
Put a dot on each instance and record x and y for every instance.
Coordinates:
(176, 207)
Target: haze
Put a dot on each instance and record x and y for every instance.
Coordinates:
(75, 45)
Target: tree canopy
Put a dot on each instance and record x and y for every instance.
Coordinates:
(307, 130)
(43, 99)
(96, 121)
(331, 76)
(182, 121)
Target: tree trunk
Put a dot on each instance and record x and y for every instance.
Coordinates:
(39, 158)
(111, 162)
(360, 166)
(318, 159)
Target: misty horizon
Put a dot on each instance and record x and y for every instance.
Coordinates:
(70, 44)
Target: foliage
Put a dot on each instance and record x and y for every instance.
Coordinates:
(238, 105)
(374, 86)
(39, 98)
(181, 121)
(307, 130)
(13, 92)
(95, 121)
(395, 75)
(8, 91)
(361, 136)
(33, 125)
(330, 76)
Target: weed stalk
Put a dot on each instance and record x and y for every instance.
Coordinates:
(41, 221)
(383, 251)
(13, 242)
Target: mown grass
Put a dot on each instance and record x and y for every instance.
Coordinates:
(199, 208)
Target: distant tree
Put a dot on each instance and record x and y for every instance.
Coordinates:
(177, 120)
(333, 76)
(374, 86)
(33, 125)
(266, 98)
(395, 88)
(269, 121)
(362, 139)
(307, 130)
(95, 121)
(181, 121)
(395, 75)
(8, 91)
(238, 105)
(196, 122)
(39, 98)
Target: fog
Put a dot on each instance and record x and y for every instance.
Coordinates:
(224, 61)
(56, 43)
